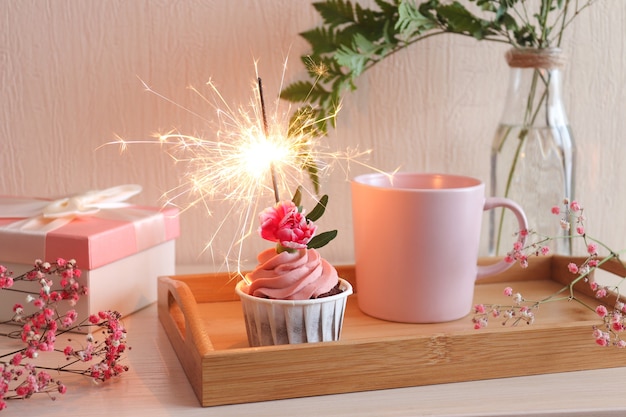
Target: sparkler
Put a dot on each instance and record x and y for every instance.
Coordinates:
(266, 132)
(233, 168)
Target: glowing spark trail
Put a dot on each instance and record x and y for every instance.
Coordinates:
(233, 167)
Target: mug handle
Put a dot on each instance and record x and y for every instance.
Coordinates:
(502, 265)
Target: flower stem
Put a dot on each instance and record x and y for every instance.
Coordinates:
(530, 116)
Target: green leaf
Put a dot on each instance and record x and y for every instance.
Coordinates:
(297, 92)
(411, 21)
(352, 60)
(326, 39)
(319, 209)
(297, 196)
(303, 123)
(313, 172)
(322, 239)
(335, 12)
(357, 57)
(387, 7)
(460, 20)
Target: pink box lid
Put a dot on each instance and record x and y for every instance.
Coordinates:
(93, 241)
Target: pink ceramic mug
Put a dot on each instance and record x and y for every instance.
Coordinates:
(416, 244)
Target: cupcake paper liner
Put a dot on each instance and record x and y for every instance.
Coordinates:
(279, 322)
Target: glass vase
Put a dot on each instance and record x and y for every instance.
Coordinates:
(532, 156)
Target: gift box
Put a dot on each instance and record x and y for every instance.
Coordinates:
(120, 248)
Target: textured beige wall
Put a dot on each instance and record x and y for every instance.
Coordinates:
(69, 83)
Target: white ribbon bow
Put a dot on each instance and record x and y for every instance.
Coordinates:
(91, 202)
(47, 215)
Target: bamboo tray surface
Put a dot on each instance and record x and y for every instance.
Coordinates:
(203, 319)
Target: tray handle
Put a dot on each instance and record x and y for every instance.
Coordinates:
(178, 313)
(561, 274)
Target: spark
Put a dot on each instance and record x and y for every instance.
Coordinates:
(247, 157)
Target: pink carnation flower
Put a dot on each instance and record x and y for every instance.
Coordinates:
(284, 224)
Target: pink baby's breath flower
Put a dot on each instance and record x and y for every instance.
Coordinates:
(592, 249)
(602, 341)
(584, 270)
(572, 267)
(5, 282)
(601, 293)
(508, 291)
(556, 210)
(620, 344)
(580, 230)
(601, 311)
(523, 261)
(480, 323)
(16, 359)
(40, 329)
(544, 250)
(574, 206)
(479, 308)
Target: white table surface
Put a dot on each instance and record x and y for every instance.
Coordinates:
(156, 385)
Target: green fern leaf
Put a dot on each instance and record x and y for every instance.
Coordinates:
(296, 92)
(459, 20)
(335, 12)
(323, 40)
(411, 21)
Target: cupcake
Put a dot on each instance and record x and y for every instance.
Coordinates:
(293, 295)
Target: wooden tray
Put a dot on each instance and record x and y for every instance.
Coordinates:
(203, 320)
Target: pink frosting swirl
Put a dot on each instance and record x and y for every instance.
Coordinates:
(299, 275)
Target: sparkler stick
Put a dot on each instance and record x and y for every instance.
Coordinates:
(266, 133)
